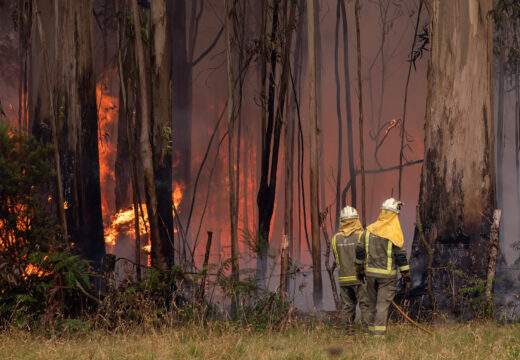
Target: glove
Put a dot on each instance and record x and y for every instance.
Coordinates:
(360, 272)
(406, 280)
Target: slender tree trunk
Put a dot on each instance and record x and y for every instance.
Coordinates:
(314, 174)
(52, 113)
(348, 108)
(289, 182)
(181, 94)
(500, 137)
(158, 259)
(361, 133)
(161, 120)
(231, 132)
(128, 130)
(457, 191)
(340, 120)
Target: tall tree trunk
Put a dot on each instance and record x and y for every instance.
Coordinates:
(161, 120)
(158, 260)
(67, 30)
(361, 132)
(340, 120)
(314, 172)
(457, 191)
(348, 108)
(231, 132)
(123, 155)
(500, 136)
(289, 177)
(266, 192)
(125, 108)
(181, 93)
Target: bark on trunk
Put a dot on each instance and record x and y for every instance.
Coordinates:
(67, 32)
(457, 192)
(361, 132)
(162, 130)
(158, 259)
(314, 174)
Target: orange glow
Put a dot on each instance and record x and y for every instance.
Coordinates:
(31, 269)
(65, 205)
(392, 124)
(123, 222)
(178, 190)
(147, 248)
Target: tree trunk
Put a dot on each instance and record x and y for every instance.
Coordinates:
(340, 120)
(457, 191)
(289, 182)
(314, 174)
(231, 132)
(361, 133)
(158, 259)
(122, 165)
(348, 106)
(161, 120)
(181, 93)
(67, 31)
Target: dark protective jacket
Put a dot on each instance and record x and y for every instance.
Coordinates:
(380, 256)
(344, 248)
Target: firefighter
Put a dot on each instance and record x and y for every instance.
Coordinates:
(344, 248)
(378, 255)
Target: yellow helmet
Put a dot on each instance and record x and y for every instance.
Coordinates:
(348, 212)
(392, 205)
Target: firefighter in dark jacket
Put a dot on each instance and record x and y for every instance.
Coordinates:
(378, 255)
(344, 247)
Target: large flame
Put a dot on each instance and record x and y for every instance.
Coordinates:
(108, 117)
(123, 222)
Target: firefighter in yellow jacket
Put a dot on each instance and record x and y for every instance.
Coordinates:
(378, 255)
(344, 247)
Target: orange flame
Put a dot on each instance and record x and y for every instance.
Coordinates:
(123, 221)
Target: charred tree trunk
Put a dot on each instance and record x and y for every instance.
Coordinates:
(457, 192)
(161, 120)
(74, 87)
(158, 260)
(314, 172)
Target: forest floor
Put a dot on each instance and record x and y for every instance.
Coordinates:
(473, 340)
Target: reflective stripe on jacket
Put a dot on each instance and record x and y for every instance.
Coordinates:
(344, 248)
(380, 256)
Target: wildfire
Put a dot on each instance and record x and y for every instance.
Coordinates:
(123, 222)
(178, 190)
(31, 269)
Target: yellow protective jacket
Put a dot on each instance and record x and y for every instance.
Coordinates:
(344, 248)
(380, 256)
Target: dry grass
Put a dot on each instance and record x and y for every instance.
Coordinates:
(475, 340)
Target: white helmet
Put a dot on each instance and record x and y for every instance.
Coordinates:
(392, 205)
(348, 212)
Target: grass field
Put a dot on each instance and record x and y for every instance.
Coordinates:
(474, 340)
